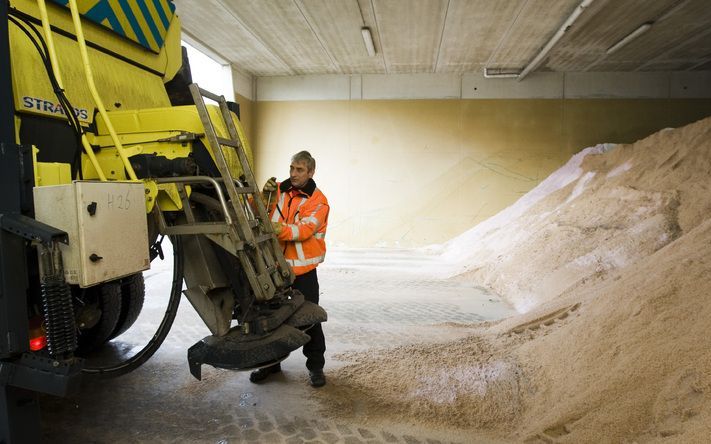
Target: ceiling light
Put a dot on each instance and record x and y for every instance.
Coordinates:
(631, 36)
(501, 73)
(368, 40)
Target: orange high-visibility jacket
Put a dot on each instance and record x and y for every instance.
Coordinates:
(305, 215)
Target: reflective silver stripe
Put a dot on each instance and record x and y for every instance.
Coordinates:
(320, 235)
(298, 207)
(313, 219)
(275, 216)
(294, 231)
(303, 201)
(300, 251)
(310, 219)
(318, 207)
(303, 263)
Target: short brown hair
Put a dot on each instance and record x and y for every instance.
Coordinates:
(305, 157)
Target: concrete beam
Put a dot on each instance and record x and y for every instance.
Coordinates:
(541, 85)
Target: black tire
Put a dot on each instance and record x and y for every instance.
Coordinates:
(133, 293)
(152, 346)
(108, 298)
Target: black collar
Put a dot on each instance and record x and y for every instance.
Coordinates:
(308, 189)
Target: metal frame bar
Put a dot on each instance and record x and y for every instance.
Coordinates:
(201, 179)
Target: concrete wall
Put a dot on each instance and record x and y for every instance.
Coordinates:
(243, 85)
(404, 172)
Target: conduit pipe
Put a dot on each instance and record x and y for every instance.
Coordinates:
(94, 93)
(557, 36)
(628, 38)
(57, 74)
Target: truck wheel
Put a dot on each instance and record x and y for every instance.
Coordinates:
(132, 363)
(133, 292)
(107, 297)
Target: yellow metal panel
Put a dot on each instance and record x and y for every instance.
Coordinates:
(120, 84)
(151, 190)
(146, 131)
(173, 50)
(229, 152)
(110, 163)
(52, 174)
(155, 16)
(169, 198)
(123, 20)
(34, 164)
(150, 143)
(132, 20)
(183, 118)
(112, 166)
(145, 28)
(179, 118)
(97, 34)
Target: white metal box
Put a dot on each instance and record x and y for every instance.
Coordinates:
(106, 223)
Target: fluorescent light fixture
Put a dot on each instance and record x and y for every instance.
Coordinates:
(501, 73)
(631, 36)
(368, 40)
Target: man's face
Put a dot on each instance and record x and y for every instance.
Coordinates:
(299, 174)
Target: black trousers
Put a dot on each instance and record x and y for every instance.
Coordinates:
(313, 350)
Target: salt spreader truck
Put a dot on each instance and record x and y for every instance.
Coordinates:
(107, 148)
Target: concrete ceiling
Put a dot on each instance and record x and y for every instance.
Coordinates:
(297, 37)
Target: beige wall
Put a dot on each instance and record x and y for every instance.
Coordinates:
(416, 172)
(246, 111)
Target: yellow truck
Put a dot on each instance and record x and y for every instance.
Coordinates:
(107, 148)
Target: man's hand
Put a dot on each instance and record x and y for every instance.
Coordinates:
(277, 226)
(270, 186)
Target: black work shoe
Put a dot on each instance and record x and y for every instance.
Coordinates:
(261, 374)
(317, 378)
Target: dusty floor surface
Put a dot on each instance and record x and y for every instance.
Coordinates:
(373, 302)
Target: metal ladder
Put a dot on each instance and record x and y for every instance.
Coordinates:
(248, 236)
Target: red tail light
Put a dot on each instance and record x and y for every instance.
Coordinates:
(38, 343)
(38, 337)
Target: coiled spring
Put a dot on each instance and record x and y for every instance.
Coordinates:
(58, 316)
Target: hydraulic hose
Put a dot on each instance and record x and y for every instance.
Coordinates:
(58, 77)
(159, 336)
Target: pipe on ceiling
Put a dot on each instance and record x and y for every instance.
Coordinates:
(629, 37)
(557, 36)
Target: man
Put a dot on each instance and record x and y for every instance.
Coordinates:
(299, 215)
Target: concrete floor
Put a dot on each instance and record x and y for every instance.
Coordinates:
(373, 298)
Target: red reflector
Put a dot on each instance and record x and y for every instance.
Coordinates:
(38, 343)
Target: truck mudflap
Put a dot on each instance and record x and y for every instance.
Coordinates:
(307, 315)
(239, 351)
